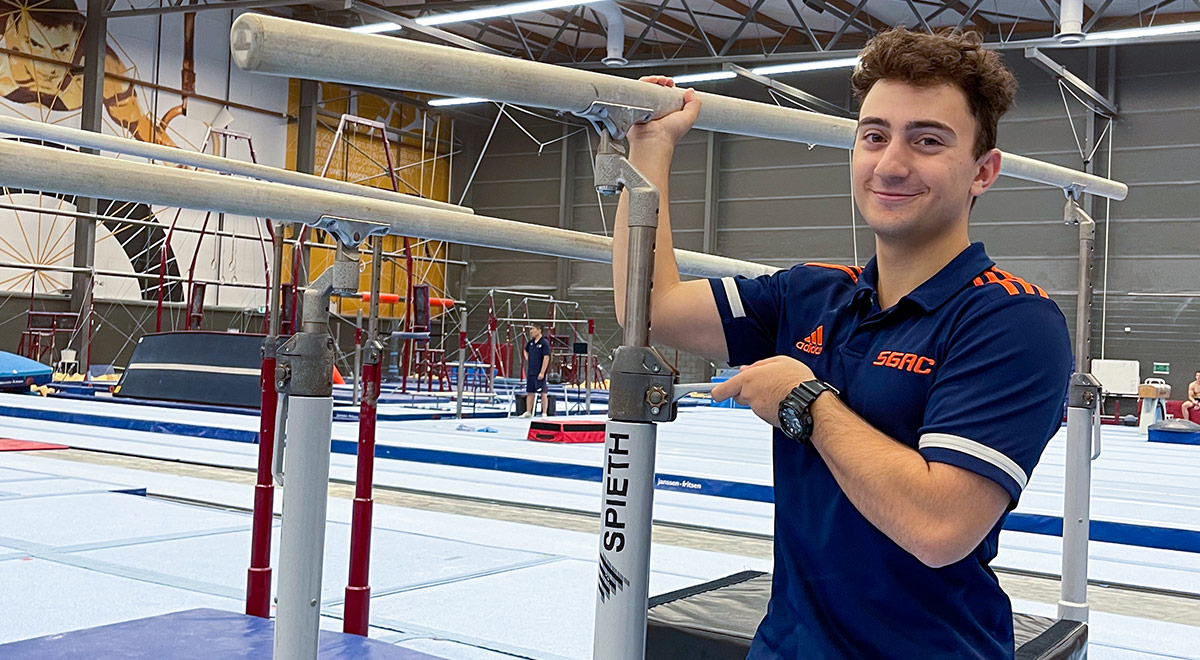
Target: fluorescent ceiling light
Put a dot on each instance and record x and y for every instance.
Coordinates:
(692, 78)
(375, 28)
(1140, 32)
(500, 10)
(456, 101)
(796, 67)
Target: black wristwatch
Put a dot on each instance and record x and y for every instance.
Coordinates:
(795, 420)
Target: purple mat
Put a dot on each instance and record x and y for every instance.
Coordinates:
(200, 634)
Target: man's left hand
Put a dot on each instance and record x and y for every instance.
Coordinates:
(764, 384)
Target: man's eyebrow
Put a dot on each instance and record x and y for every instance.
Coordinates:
(910, 126)
(928, 123)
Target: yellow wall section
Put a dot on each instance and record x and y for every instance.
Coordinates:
(360, 157)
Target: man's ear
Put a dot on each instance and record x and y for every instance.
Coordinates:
(987, 170)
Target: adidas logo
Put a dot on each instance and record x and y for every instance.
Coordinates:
(814, 342)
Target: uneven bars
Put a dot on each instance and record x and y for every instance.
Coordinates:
(283, 47)
(65, 135)
(35, 167)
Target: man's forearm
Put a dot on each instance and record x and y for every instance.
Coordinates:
(891, 484)
(545, 364)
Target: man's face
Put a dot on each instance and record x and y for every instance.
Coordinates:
(534, 333)
(914, 169)
(57, 43)
(1198, 376)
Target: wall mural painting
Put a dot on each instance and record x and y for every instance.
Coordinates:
(41, 59)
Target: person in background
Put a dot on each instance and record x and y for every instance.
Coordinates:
(537, 362)
(1193, 397)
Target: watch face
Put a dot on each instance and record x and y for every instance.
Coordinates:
(790, 423)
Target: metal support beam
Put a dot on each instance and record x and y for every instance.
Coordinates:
(524, 41)
(920, 18)
(279, 46)
(650, 24)
(566, 205)
(813, 103)
(189, 8)
(1046, 43)
(712, 200)
(692, 15)
(558, 34)
(1097, 15)
(1043, 61)
(969, 13)
(409, 24)
(672, 26)
(741, 26)
(306, 158)
(712, 190)
(1049, 10)
(842, 10)
(95, 46)
(812, 38)
(845, 25)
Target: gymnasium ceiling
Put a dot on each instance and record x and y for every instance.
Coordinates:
(707, 30)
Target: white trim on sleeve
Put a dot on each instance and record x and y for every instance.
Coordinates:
(735, 298)
(978, 450)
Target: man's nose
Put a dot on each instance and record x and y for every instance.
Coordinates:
(894, 163)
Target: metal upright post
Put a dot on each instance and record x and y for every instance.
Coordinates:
(460, 377)
(258, 578)
(305, 374)
(587, 366)
(358, 589)
(358, 353)
(493, 349)
(95, 42)
(1082, 400)
(641, 394)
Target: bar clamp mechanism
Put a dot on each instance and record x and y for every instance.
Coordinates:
(642, 387)
(1084, 391)
(305, 361)
(614, 118)
(350, 232)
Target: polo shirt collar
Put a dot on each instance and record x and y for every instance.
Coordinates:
(868, 281)
(951, 278)
(936, 290)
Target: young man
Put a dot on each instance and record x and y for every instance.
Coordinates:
(1193, 397)
(886, 516)
(537, 361)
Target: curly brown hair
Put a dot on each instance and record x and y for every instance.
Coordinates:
(947, 57)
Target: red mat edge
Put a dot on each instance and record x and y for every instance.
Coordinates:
(9, 444)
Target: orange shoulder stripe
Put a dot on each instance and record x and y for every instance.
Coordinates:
(1029, 288)
(993, 278)
(1012, 284)
(852, 271)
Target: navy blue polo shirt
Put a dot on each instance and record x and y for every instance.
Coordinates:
(536, 350)
(969, 369)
